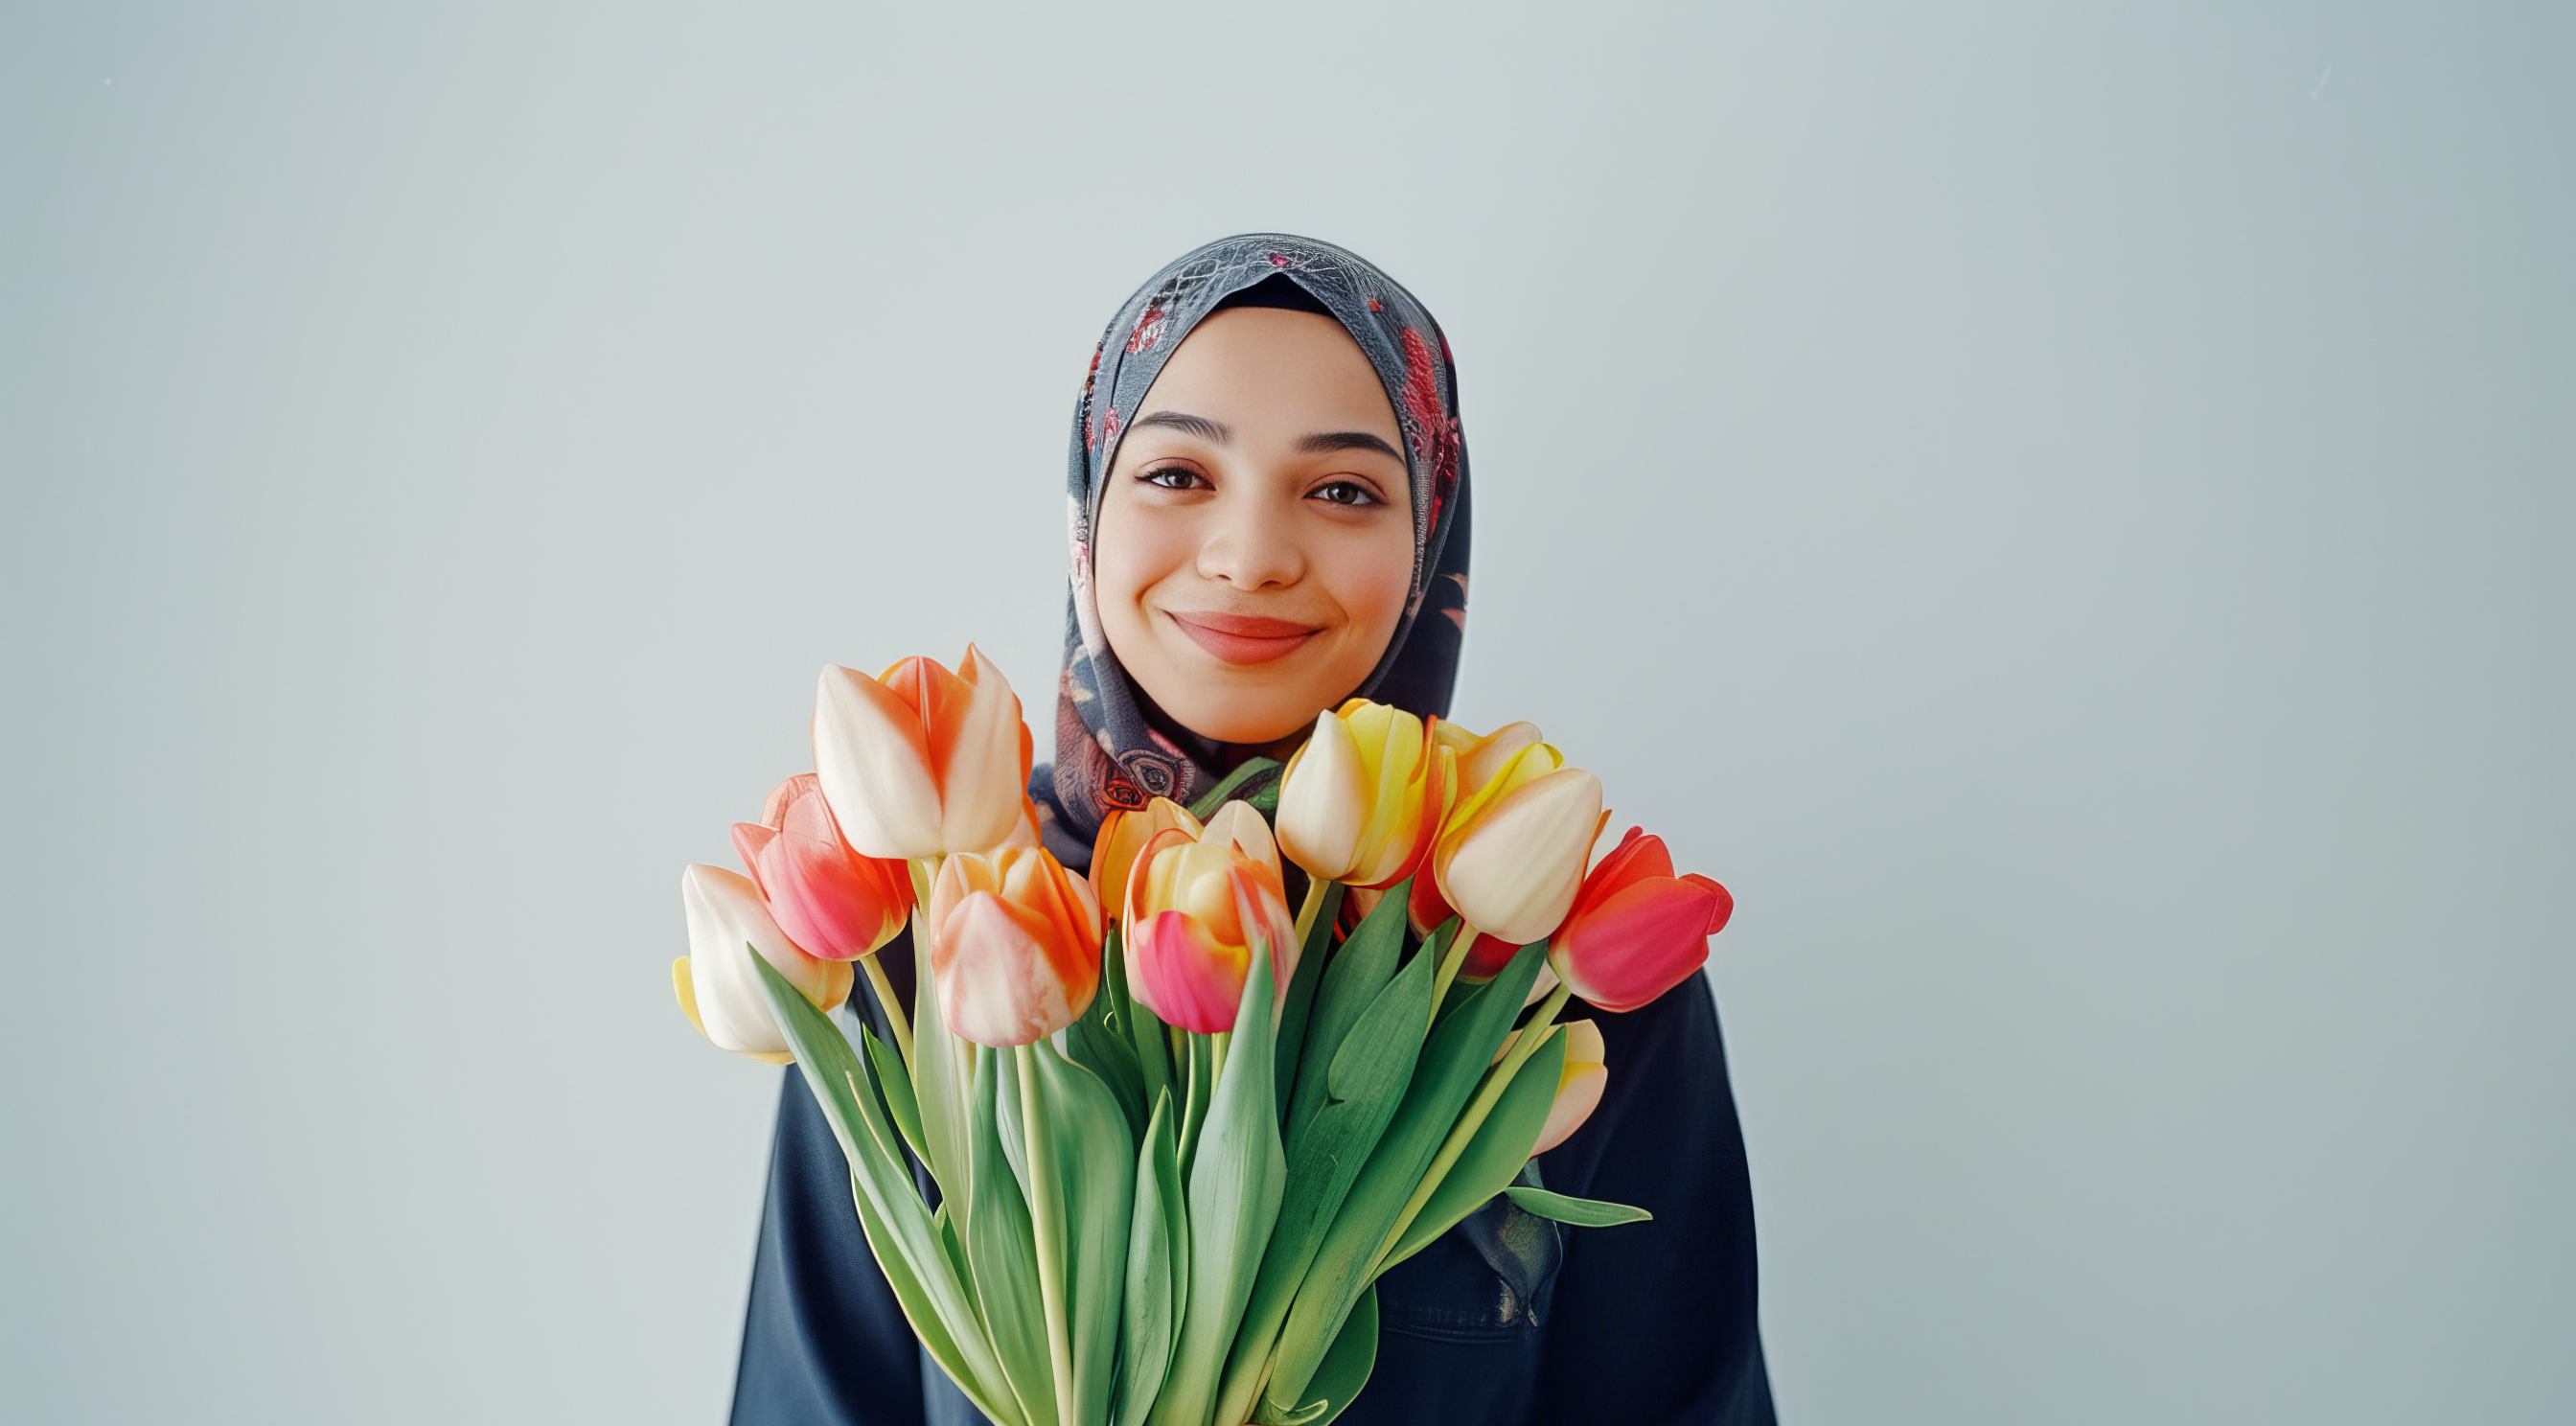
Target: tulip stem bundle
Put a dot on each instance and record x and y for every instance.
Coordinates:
(1177, 1134)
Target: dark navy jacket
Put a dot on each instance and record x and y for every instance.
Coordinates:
(1638, 1325)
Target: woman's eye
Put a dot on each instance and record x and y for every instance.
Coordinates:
(1170, 477)
(1348, 492)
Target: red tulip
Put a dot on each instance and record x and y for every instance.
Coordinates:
(1636, 929)
(835, 904)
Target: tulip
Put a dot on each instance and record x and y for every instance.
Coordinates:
(1362, 800)
(1014, 945)
(920, 762)
(1578, 1085)
(719, 987)
(1194, 903)
(831, 901)
(1123, 835)
(1637, 930)
(1510, 854)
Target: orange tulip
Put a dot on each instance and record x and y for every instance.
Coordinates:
(1636, 929)
(1362, 800)
(919, 762)
(1510, 853)
(1014, 945)
(1194, 903)
(719, 988)
(831, 901)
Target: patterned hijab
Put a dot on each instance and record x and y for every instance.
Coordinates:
(1108, 754)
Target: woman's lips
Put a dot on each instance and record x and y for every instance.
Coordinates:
(1244, 638)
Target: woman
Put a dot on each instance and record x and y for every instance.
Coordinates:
(1269, 514)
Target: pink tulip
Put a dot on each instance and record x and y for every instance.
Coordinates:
(1014, 945)
(1637, 930)
(832, 902)
(1194, 905)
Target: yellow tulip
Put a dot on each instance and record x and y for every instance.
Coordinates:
(1123, 835)
(1511, 852)
(1362, 800)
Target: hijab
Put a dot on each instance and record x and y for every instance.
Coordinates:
(1113, 749)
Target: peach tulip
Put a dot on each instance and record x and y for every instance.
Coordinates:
(718, 986)
(919, 762)
(1637, 930)
(1511, 852)
(1578, 1085)
(1194, 903)
(1362, 800)
(831, 901)
(1014, 945)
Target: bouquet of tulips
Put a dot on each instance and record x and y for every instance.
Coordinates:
(1175, 1133)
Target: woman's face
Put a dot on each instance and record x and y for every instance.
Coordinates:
(1255, 543)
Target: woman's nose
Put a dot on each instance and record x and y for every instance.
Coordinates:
(1247, 548)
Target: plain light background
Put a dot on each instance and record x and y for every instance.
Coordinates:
(2068, 514)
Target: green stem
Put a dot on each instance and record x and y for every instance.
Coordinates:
(895, 1018)
(1046, 1218)
(1450, 962)
(1498, 1079)
(1314, 902)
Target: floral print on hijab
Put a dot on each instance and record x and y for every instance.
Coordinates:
(1108, 754)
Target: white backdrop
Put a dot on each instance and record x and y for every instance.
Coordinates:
(2068, 515)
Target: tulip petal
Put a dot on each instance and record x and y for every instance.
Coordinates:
(1187, 977)
(975, 753)
(872, 761)
(1323, 801)
(1515, 871)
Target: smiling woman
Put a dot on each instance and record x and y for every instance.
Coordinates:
(1255, 542)
(1267, 498)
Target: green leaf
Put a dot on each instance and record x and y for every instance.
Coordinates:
(1580, 1212)
(1365, 1082)
(1351, 984)
(1493, 1158)
(1234, 1191)
(1003, 1251)
(895, 1083)
(898, 1225)
(1095, 1160)
(942, 1069)
(1098, 1041)
(1296, 1009)
(1444, 1078)
(1158, 1256)
(1345, 1370)
(1215, 797)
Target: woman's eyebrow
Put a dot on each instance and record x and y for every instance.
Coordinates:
(1200, 426)
(1325, 441)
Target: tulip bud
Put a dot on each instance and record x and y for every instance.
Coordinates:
(1510, 854)
(1014, 945)
(718, 986)
(921, 762)
(1194, 903)
(1637, 930)
(1362, 800)
(831, 901)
